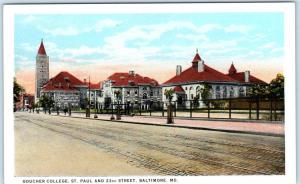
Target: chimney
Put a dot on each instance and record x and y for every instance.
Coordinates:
(178, 70)
(201, 66)
(247, 76)
(131, 72)
(84, 81)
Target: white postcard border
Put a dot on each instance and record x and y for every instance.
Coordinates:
(289, 71)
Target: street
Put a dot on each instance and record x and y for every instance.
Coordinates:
(48, 145)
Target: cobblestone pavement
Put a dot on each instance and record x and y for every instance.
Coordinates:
(157, 150)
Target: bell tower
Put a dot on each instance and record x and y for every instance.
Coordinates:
(41, 70)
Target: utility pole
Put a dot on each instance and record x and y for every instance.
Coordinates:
(88, 109)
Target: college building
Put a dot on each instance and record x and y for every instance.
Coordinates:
(133, 88)
(189, 83)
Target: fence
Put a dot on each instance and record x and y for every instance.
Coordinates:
(230, 108)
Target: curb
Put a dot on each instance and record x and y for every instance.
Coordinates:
(181, 126)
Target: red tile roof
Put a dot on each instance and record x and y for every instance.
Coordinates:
(196, 58)
(178, 89)
(63, 81)
(126, 79)
(232, 69)
(42, 50)
(240, 76)
(192, 75)
(95, 86)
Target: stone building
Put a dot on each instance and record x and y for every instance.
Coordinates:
(187, 84)
(41, 70)
(133, 89)
(65, 89)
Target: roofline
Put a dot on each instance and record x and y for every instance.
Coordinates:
(213, 82)
(59, 90)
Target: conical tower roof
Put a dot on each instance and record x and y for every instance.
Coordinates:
(197, 58)
(42, 50)
(232, 69)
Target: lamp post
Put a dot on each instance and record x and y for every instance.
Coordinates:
(88, 108)
(118, 96)
(169, 95)
(95, 109)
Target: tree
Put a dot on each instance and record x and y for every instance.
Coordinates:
(46, 102)
(169, 96)
(277, 86)
(206, 93)
(18, 90)
(118, 97)
(258, 90)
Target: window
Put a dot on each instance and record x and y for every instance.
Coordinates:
(186, 88)
(145, 96)
(144, 88)
(135, 92)
(218, 93)
(241, 92)
(224, 92)
(198, 90)
(231, 92)
(151, 93)
(192, 96)
(128, 92)
(191, 87)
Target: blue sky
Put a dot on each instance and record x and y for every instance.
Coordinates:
(98, 45)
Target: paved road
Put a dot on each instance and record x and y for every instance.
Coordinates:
(140, 149)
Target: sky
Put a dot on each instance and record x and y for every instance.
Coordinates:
(98, 45)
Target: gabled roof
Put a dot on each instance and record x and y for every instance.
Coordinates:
(126, 79)
(63, 81)
(240, 76)
(42, 50)
(192, 75)
(95, 86)
(178, 89)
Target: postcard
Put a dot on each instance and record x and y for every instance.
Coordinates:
(149, 93)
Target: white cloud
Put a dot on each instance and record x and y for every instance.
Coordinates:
(193, 37)
(244, 29)
(67, 31)
(74, 31)
(269, 45)
(29, 19)
(105, 23)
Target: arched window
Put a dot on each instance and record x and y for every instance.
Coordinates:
(241, 92)
(191, 87)
(198, 90)
(231, 92)
(224, 92)
(218, 92)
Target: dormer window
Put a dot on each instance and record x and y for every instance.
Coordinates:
(131, 83)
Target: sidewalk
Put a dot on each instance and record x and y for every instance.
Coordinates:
(258, 128)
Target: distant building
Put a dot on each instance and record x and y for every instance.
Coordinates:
(41, 70)
(25, 102)
(94, 93)
(187, 84)
(133, 88)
